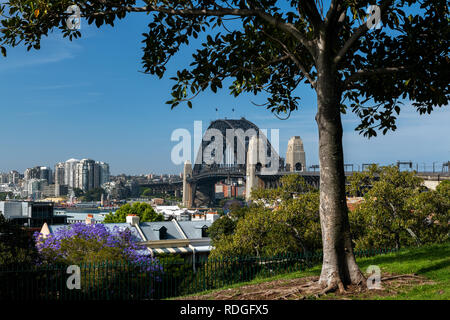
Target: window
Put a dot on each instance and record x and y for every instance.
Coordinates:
(204, 232)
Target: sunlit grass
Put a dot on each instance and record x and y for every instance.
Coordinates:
(431, 262)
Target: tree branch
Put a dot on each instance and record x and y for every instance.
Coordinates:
(334, 11)
(293, 58)
(358, 34)
(367, 73)
(310, 9)
(291, 29)
(220, 12)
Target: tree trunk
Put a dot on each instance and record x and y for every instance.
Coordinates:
(339, 266)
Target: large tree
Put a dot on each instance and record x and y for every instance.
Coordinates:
(274, 47)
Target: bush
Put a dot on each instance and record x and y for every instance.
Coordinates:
(397, 213)
(141, 209)
(16, 245)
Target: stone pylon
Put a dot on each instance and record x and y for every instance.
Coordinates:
(187, 187)
(295, 155)
(252, 181)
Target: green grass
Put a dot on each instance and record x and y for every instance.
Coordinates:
(431, 262)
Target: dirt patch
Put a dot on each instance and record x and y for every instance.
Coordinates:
(306, 288)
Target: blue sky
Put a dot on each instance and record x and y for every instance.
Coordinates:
(87, 98)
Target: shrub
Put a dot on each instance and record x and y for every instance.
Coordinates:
(141, 209)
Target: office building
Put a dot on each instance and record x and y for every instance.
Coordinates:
(29, 213)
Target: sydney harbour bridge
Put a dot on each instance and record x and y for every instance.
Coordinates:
(237, 150)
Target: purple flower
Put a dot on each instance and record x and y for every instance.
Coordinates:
(99, 237)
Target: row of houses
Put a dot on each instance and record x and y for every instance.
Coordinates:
(160, 237)
(183, 214)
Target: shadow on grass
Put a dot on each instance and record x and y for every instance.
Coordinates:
(438, 266)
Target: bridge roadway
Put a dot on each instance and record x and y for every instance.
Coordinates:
(235, 173)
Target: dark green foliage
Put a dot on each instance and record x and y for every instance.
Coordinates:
(78, 192)
(16, 244)
(93, 195)
(4, 195)
(224, 226)
(396, 212)
(290, 186)
(444, 189)
(292, 227)
(360, 182)
(146, 192)
(141, 209)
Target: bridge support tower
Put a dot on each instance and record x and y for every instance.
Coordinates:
(295, 155)
(187, 187)
(252, 181)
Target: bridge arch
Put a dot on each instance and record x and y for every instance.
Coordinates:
(232, 153)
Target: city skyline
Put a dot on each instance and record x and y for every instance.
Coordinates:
(422, 165)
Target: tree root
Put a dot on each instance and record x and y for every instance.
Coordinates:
(312, 288)
(402, 276)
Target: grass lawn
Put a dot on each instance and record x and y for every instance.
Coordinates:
(431, 262)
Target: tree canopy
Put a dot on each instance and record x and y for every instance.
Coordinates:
(141, 209)
(273, 47)
(397, 211)
(82, 243)
(16, 245)
(293, 226)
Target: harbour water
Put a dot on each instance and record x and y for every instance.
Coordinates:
(75, 215)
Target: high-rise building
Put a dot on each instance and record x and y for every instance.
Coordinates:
(70, 173)
(104, 172)
(45, 173)
(14, 177)
(96, 175)
(32, 173)
(38, 172)
(34, 187)
(4, 178)
(59, 177)
(60, 169)
(85, 175)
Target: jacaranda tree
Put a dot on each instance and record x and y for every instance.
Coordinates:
(82, 243)
(112, 260)
(273, 47)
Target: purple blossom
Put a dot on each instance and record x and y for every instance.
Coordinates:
(49, 247)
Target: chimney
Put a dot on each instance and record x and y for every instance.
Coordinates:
(132, 219)
(90, 219)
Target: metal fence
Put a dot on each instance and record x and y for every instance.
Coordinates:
(165, 278)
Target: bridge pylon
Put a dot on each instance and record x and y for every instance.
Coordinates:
(295, 155)
(187, 187)
(252, 181)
